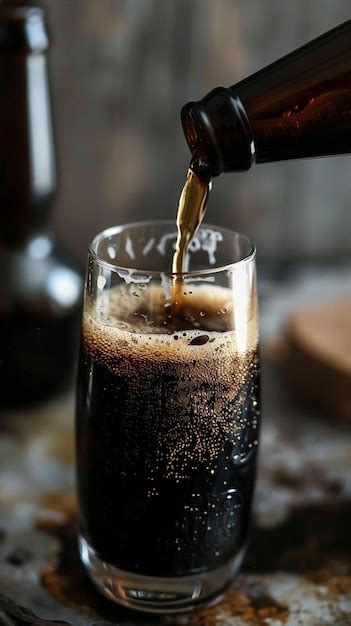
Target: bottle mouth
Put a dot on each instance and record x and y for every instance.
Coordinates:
(218, 134)
(194, 130)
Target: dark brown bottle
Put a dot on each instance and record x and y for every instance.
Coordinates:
(40, 292)
(299, 106)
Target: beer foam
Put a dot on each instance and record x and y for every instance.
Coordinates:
(138, 323)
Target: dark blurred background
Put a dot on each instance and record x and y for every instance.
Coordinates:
(122, 69)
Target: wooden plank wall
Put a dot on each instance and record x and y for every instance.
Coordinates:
(121, 69)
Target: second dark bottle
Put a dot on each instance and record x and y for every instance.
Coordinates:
(40, 290)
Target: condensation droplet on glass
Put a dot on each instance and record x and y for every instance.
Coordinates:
(101, 282)
(112, 252)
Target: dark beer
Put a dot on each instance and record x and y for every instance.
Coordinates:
(167, 429)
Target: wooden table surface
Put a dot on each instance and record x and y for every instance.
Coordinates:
(298, 566)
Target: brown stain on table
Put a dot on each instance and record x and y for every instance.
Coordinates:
(62, 448)
(63, 502)
(253, 606)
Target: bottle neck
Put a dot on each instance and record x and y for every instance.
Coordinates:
(27, 155)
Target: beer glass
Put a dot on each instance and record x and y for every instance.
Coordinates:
(167, 415)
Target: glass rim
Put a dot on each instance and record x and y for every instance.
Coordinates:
(115, 230)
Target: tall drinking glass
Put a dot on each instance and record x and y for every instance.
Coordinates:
(167, 415)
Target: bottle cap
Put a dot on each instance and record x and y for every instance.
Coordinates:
(22, 27)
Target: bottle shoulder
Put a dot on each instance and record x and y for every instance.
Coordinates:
(39, 276)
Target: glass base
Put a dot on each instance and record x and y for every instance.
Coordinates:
(155, 594)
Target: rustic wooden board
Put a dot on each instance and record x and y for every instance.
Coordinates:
(317, 361)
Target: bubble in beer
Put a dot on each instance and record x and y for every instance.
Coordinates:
(167, 409)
